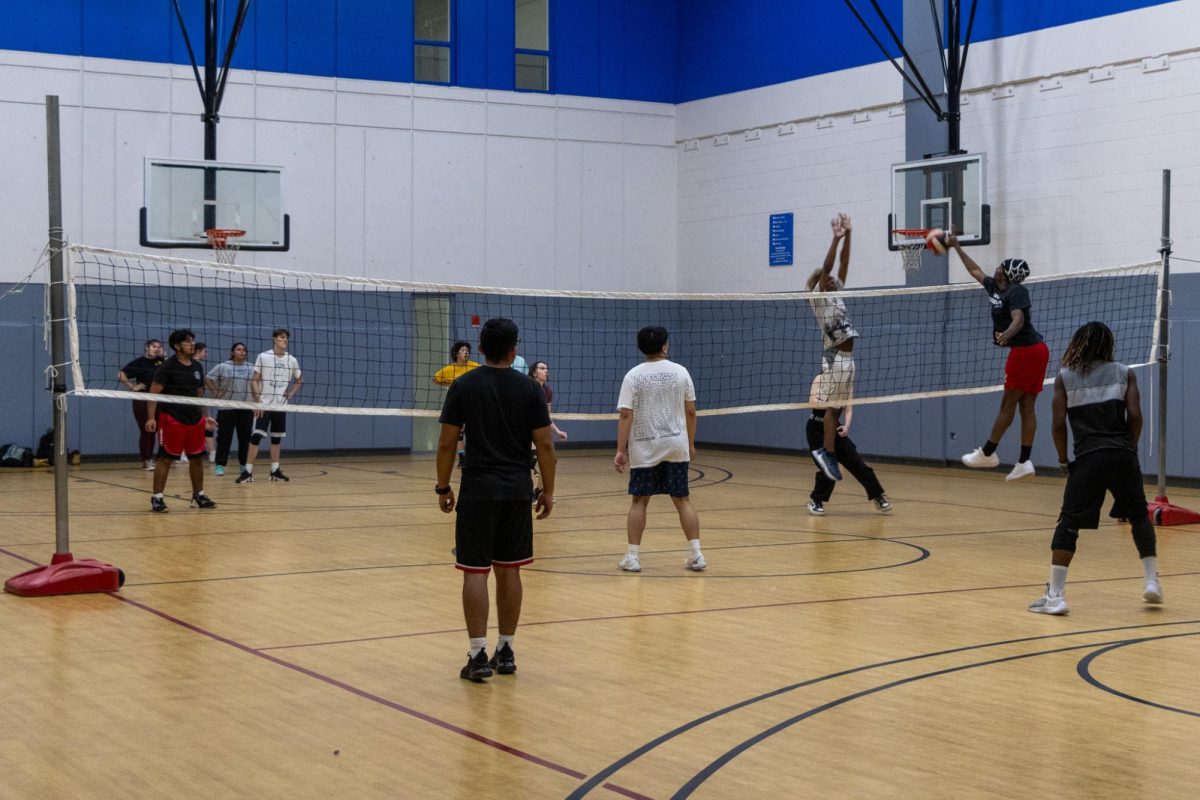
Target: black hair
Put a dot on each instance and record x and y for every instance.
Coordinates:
(1091, 343)
(150, 342)
(179, 337)
(201, 346)
(497, 338)
(454, 348)
(235, 346)
(281, 332)
(533, 368)
(651, 339)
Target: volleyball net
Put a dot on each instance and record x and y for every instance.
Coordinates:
(371, 346)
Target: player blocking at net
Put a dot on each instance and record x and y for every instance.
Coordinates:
(1098, 397)
(656, 439)
(838, 335)
(1025, 367)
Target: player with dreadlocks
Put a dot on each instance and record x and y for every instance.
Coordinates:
(1099, 398)
(1025, 369)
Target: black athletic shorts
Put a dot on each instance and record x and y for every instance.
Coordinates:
(493, 533)
(667, 477)
(272, 423)
(1112, 469)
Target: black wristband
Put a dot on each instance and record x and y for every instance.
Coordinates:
(442, 489)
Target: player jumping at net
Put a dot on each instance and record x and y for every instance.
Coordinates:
(180, 427)
(838, 335)
(494, 525)
(846, 453)
(276, 380)
(1099, 397)
(656, 439)
(1025, 368)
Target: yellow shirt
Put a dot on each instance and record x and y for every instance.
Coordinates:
(449, 373)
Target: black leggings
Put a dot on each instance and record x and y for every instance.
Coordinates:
(228, 421)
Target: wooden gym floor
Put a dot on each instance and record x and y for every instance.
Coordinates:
(303, 640)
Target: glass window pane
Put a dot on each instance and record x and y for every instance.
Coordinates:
(533, 72)
(431, 63)
(533, 24)
(431, 20)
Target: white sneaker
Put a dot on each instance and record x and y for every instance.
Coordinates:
(977, 460)
(696, 563)
(183, 459)
(1153, 592)
(630, 563)
(148, 465)
(1022, 469)
(1048, 603)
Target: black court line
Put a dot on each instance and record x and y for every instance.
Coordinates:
(703, 775)
(1084, 669)
(725, 609)
(634, 755)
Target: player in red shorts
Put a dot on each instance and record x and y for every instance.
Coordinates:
(1028, 356)
(180, 427)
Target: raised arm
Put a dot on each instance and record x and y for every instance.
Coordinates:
(838, 232)
(968, 262)
(844, 265)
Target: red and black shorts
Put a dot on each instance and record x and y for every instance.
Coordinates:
(176, 438)
(493, 533)
(1025, 368)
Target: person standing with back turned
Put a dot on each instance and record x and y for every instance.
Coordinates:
(494, 527)
(656, 439)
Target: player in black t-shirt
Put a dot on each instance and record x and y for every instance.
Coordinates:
(1028, 356)
(136, 376)
(180, 427)
(506, 412)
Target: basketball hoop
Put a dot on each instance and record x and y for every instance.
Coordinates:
(910, 242)
(225, 243)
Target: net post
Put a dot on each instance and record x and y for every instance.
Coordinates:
(1164, 329)
(58, 323)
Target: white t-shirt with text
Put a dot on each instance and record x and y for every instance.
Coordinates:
(656, 391)
(276, 373)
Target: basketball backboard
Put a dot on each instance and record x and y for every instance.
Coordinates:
(184, 199)
(948, 193)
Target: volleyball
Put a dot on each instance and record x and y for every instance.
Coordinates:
(935, 240)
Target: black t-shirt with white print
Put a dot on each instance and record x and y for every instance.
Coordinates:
(1013, 297)
(181, 379)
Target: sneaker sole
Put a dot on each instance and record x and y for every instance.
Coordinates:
(1154, 598)
(630, 569)
(1061, 613)
(499, 670)
(816, 513)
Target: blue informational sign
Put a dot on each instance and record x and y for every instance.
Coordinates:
(780, 246)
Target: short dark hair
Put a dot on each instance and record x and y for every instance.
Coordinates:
(235, 346)
(651, 339)
(179, 337)
(454, 348)
(150, 342)
(281, 332)
(497, 338)
(201, 346)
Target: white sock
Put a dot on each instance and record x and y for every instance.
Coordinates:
(274, 466)
(477, 645)
(1058, 580)
(157, 495)
(635, 550)
(695, 545)
(1150, 567)
(504, 640)
(248, 468)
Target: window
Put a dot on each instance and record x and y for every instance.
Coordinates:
(532, 58)
(433, 42)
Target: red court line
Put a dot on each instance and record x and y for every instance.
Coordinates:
(374, 698)
(753, 607)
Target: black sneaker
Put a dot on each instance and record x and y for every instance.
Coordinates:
(503, 661)
(245, 477)
(158, 504)
(202, 501)
(816, 508)
(476, 669)
(278, 475)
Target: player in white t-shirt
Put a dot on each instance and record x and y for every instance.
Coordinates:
(836, 381)
(656, 439)
(276, 380)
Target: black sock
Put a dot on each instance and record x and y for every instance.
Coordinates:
(989, 447)
(1026, 449)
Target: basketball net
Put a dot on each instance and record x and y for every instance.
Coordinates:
(225, 243)
(910, 243)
